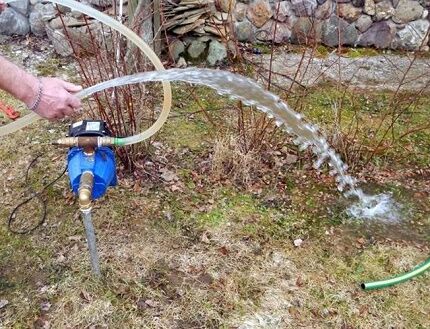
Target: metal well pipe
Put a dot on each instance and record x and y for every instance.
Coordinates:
(91, 240)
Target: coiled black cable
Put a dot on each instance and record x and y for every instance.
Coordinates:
(35, 195)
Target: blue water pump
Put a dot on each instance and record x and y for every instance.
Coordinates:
(100, 161)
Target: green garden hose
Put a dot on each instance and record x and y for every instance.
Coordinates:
(420, 269)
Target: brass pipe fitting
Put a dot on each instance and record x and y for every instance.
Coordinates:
(85, 141)
(85, 190)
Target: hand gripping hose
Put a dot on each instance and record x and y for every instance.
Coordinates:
(136, 40)
(420, 269)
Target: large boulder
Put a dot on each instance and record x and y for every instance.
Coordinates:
(407, 11)
(13, 22)
(379, 35)
(21, 6)
(46, 11)
(337, 31)
(37, 25)
(259, 12)
(413, 36)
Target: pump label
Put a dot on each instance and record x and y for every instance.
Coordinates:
(77, 124)
(92, 126)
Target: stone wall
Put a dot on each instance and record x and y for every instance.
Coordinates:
(395, 24)
(383, 24)
(199, 29)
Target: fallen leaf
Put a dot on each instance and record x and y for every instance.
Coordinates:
(85, 296)
(168, 176)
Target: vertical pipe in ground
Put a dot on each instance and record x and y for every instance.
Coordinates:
(91, 240)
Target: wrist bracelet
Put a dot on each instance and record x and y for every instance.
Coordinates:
(38, 97)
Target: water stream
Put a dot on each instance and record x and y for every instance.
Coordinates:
(306, 134)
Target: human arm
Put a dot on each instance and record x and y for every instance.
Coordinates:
(56, 97)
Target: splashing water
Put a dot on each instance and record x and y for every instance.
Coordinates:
(306, 135)
(381, 207)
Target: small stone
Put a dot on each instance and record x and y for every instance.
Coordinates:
(45, 306)
(196, 49)
(298, 242)
(304, 8)
(3, 303)
(57, 23)
(349, 12)
(291, 159)
(232, 48)
(259, 12)
(240, 11)
(100, 3)
(325, 10)
(284, 11)
(383, 10)
(363, 23)
(59, 41)
(221, 17)
(226, 6)
(244, 31)
(425, 14)
(217, 53)
(369, 7)
(177, 48)
(358, 3)
(407, 11)
(267, 32)
(76, 14)
(181, 63)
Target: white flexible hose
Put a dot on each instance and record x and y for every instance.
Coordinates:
(135, 39)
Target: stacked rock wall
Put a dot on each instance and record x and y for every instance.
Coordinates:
(394, 24)
(208, 27)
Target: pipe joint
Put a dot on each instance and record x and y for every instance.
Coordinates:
(85, 191)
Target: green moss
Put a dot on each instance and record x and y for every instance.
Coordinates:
(360, 52)
(49, 67)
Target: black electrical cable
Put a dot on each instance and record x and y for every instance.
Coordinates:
(37, 195)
